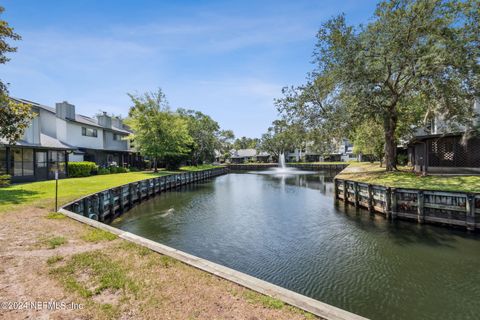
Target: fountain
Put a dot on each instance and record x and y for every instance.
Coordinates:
(282, 169)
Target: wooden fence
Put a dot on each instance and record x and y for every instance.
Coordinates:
(107, 204)
(448, 208)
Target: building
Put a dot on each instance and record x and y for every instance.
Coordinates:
(58, 135)
(444, 147)
(249, 155)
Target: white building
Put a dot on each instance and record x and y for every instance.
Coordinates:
(58, 135)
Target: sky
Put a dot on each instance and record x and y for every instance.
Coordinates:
(227, 59)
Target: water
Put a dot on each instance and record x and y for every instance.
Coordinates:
(285, 229)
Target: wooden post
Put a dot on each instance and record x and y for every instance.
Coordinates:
(355, 193)
(85, 207)
(130, 195)
(420, 207)
(370, 198)
(111, 201)
(335, 188)
(470, 214)
(393, 195)
(388, 203)
(345, 200)
(121, 199)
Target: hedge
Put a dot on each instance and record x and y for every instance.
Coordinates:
(81, 169)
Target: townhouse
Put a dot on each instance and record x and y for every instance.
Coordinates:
(59, 135)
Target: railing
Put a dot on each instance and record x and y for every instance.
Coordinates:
(106, 205)
(448, 208)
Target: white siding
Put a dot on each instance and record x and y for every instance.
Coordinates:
(74, 136)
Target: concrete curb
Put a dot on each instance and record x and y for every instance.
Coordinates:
(316, 307)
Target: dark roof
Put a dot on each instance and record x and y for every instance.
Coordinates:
(79, 118)
(45, 142)
(417, 139)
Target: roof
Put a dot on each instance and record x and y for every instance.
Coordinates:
(244, 153)
(45, 142)
(433, 136)
(79, 118)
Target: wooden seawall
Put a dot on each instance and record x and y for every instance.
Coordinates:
(447, 208)
(107, 204)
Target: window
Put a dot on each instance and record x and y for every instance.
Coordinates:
(89, 132)
(21, 162)
(116, 137)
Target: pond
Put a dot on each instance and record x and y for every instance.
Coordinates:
(286, 229)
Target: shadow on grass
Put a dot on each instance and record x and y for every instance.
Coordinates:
(15, 196)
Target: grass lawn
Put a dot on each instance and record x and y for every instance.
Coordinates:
(42, 194)
(405, 178)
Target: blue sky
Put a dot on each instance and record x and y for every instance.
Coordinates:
(228, 59)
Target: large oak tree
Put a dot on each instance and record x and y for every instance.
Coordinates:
(413, 59)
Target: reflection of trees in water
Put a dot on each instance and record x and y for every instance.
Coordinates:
(322, 181)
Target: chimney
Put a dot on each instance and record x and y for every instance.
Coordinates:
(104, 120)
(65, 110)
(117, 123)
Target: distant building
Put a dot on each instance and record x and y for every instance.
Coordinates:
(249, 155)
(59, 135)
(442, 147)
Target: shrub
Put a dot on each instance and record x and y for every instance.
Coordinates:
(4, 180)
(103, 171)
(122, 170)
(134, 169)
(113, 169)
(81, 169)
(402, 159)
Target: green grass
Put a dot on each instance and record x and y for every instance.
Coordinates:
(100, 273)
(405, 178)
(199, 168)
(54, 242)
(56, 215)
(42, 194)
(266, 301)
(97, 235)
(54, 259)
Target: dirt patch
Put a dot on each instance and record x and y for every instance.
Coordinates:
(158, 287)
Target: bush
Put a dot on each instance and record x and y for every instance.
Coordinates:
(134, 169)
(402, 159)
(81, 169)
(122, 170)
(5, 180)
(103, 171)
(113, 169)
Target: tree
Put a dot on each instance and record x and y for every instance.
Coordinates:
(246, 143)
(225, 142)
(368, 140)
(204, 132)
(282, 137)
(413, 59)
(158, 132)
(14, 117)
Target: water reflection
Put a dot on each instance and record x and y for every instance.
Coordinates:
(288, 231)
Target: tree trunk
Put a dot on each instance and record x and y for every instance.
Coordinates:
(390, 125)
(155, 169)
